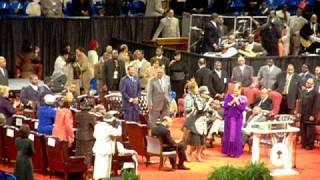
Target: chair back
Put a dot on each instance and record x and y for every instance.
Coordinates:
(10, 140)
(154, 145)
(56, 151)
(39, 159)
(19, 120)
(276, 98)
(113, 102)
(137, 137)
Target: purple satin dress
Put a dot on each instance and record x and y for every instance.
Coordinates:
(233, 119)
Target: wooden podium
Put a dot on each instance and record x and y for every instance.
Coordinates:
(178, 43)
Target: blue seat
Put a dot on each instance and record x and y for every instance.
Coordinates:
(138, 8)
(68, 9)
(7, 176)
(4, 8)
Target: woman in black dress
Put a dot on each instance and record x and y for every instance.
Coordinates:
(178, 72)
(25, 150)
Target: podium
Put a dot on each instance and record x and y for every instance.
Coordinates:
(178, 43)
(281, 152)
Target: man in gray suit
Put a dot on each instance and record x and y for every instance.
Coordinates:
(154, 8)
(158, 97)
(242, 73)
(3, 72)
(267, 74)
(168, 27)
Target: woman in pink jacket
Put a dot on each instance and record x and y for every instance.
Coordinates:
(63, 124)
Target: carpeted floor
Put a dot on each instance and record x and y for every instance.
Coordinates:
(307, 164)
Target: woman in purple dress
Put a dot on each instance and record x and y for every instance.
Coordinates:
(234, 105)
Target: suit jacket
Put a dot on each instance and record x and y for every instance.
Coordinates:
(168, 27)
(306, 31)
(29, 94)
(268, 77)
(270, 35)
(218, 85)
(158, 96)
(202, 77)
(304, 77)
(25, 151)
(63, 125)
(4, 77)
(308, 105)
(293, 88)
(130, 89)
(46, 115)
(211, 36)
(265, 105)
(245, 78)
(7, 109)
(142, 71)
(154, 8)
(163, 133)
(85, 125)
(109, 69)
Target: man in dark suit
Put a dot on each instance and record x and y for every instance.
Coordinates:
(211, 35)
(30, 95)
(164, 61)
(308, 114)
(242, 73)
(287, 84)
(317, 89)
(270, 35)
(305, 74)
(308, 32)
(84, 135)
(130, 90)
(264, 102)
(114, 70)
(3, 72)
(202, 75)
(219, 81)
(162, 132)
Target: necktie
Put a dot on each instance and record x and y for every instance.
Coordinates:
(285, 90)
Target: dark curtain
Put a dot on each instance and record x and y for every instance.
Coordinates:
(50, 34)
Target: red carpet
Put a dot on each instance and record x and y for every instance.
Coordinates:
(307, 164)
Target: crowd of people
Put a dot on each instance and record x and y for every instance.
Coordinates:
(58, 8)
(210, 107)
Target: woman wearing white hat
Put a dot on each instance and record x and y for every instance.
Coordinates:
(46, 115)
(104, 147)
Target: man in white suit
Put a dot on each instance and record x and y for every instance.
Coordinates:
(268, 74)
(158, 97)
(154, 8)
(168, 27)
(104, 147)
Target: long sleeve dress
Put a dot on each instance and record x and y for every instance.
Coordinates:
(233, 120)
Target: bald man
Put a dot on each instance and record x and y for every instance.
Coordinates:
(308, 32)
(287, 84)
(3, 72)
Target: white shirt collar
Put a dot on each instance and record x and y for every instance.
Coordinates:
(214, 23)
(34, 87)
